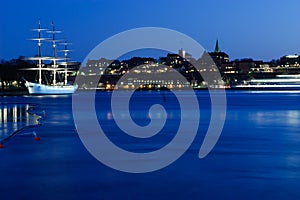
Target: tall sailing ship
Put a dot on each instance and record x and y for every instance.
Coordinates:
(58, 68)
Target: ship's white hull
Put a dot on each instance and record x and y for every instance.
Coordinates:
(36, 88)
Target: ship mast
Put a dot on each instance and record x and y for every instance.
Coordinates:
(65, 63)
(54, 58)
(39, 57)
(39, 53)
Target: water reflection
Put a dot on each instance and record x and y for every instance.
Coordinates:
(144, 114)
(14, 117)
(280, 117)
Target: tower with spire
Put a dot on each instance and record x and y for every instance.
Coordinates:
(219, 56)
(217, 48)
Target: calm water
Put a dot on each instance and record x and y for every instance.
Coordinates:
(14, 116)
(257, 156)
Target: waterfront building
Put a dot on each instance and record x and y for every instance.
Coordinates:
(98, 67)
(261, 67)
(185, 55)
(229, 68)
(290, 61)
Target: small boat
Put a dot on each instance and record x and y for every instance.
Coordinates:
(56, 68)
(280, 82)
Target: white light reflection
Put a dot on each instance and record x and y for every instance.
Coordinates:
(13, 117)
(279, 117)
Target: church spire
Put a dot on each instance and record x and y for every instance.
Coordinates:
(217, 48)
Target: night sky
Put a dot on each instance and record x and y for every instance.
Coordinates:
(259, 29)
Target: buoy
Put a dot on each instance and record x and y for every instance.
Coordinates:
(1, 146)
(37, 138)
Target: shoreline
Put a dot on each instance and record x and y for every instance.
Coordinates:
(13, 92)
(22, 92)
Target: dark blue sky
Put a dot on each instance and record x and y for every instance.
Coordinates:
(261, 29)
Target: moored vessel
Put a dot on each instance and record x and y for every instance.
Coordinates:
(280, 82)
(57, 82)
